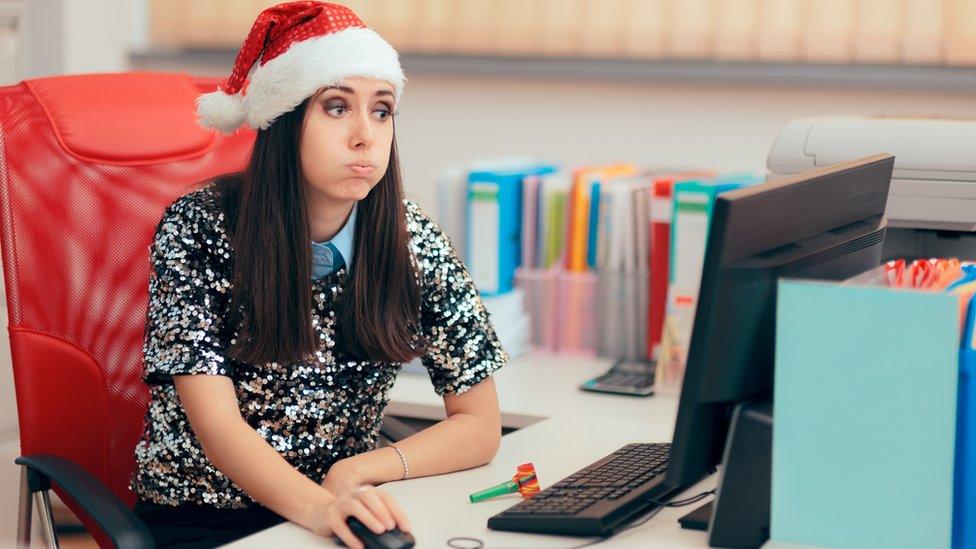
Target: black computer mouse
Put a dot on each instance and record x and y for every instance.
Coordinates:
(392, 539)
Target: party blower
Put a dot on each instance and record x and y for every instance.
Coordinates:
(524, 482)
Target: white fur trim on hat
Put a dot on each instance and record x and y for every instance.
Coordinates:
(284, 82)
(221, 111)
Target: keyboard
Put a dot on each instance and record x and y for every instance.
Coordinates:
(597, 500)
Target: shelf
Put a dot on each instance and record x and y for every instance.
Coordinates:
(807, 75)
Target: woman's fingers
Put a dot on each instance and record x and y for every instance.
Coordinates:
(357, 509)
(398, 515)
(378, 506)
(377, 510)
(340, 529)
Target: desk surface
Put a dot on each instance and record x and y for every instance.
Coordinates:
(561, 430)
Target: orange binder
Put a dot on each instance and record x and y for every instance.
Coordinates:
(579, 209)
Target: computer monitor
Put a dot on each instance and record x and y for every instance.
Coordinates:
(825, 224)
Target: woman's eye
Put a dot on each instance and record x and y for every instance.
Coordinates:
(382, 114)
(336, 110)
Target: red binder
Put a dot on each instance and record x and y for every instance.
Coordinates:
(660, 259)
(661, 252)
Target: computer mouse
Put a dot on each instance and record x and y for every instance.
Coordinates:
(392, 539)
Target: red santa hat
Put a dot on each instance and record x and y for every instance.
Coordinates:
(302, 46)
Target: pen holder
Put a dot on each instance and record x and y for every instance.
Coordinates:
(622, 306)
(576, 313)
(539, 286)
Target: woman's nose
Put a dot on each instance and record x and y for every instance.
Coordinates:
(362, 135)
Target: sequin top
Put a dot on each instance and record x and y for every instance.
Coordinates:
(313, 412)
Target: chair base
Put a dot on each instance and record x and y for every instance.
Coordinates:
(25, 514)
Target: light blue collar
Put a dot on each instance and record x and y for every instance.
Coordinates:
(323, 260)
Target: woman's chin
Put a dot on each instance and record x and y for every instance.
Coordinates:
(349, 189)
(357, 189)
(357, 195)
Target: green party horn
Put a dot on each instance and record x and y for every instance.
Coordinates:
(524, 482)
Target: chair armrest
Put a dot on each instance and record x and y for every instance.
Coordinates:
(115, 519)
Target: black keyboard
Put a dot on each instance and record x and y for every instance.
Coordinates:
(596, 500)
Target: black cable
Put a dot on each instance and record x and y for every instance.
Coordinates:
(683, 502)
(629, 527)
(659, 505)
(478, 544)
(679, 503)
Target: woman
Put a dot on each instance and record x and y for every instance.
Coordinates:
(284, 299)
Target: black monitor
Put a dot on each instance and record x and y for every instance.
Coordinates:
(825, 224)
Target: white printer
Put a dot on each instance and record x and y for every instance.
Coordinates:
(932, 203)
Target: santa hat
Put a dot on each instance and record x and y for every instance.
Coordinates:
(302, 46)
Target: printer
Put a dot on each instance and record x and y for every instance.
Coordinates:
(932, 202)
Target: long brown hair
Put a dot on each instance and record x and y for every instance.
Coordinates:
(267, 220)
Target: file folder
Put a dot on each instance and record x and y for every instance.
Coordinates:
(493, 249)
(452, 198)
(660, 248)
(579, 209)
(554, 200)
(622, 277)
(660, 253)
(692, 204)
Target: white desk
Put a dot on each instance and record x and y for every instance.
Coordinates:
(561, 430)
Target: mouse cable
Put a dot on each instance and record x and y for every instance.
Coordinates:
(683, 502)
(661, 505)
(462, 542)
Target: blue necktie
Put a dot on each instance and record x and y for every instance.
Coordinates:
(337, 259)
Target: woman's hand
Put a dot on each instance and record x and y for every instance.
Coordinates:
(374, 508)
(343, 476)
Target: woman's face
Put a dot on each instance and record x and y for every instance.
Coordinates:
(346, 138)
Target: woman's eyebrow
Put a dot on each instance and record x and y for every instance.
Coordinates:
(347, 89)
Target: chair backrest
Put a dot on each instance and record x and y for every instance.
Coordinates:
(87, 165)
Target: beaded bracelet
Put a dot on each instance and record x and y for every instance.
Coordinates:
(403, 460)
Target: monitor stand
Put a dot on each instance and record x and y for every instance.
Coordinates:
(697, 519)
(739, 514)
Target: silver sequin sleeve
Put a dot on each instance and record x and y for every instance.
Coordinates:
(463, 347)
(184, 328)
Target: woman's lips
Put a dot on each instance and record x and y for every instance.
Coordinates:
(360, 170)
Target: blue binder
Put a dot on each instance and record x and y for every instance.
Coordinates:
(493, 249)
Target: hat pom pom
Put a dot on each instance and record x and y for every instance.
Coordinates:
(221, 111)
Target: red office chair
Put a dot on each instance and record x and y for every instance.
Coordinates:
(87, 165)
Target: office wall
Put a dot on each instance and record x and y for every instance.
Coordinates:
(74, 36)
(13, 59)
(44, 37)
(96, 34)
(450, 119)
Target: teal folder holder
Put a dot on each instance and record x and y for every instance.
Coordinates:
(864, 440)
